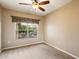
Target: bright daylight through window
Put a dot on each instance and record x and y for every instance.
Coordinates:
(26, 30)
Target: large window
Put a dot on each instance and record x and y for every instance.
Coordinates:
(25, 27)
(26, 30)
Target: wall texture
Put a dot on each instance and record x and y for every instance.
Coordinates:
(62, 28)
(9, 29)
(0, 26)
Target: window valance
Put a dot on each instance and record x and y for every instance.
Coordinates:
(22, 19)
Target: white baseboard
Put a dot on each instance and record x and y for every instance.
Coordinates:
(45, 43)
(22, 45)
(62, 51)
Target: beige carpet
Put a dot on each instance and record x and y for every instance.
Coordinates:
(40, 51)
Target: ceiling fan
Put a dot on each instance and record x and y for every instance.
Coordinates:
(36, 4)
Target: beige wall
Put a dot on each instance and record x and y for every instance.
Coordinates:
(62, 28)
(9, 29)
(0, 27)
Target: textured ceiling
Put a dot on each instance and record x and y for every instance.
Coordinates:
(13, 4)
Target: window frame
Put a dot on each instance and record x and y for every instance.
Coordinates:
(27, 32)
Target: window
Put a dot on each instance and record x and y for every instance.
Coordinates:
(26, 30)
(25, 27)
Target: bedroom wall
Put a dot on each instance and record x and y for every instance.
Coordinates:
(62, 28)
(9, 29)
(0, 26)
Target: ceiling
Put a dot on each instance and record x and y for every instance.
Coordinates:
(13, 4)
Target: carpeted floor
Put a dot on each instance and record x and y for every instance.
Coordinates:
(40, 51)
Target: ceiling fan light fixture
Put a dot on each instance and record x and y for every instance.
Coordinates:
(35, 6)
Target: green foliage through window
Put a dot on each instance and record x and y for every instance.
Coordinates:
(25, 30)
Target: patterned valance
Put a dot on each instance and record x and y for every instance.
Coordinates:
(22, 19)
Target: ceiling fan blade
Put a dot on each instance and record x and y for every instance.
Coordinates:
(44, 3)
(42, 9)
(25, 4)
(36, 1)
